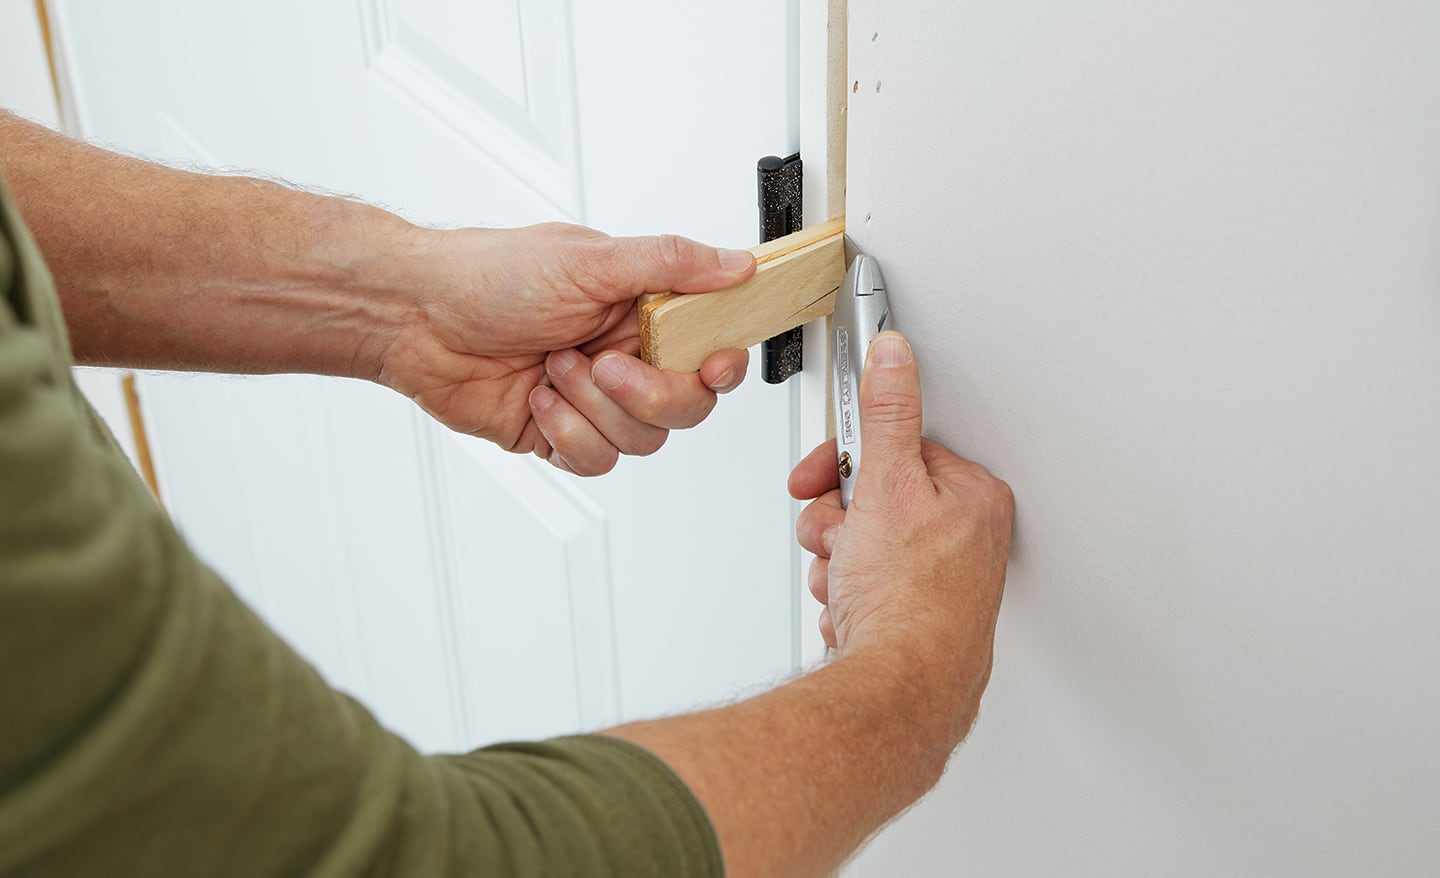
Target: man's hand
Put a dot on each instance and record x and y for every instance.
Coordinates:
(509, 320)
(918, 560)
(912, 576)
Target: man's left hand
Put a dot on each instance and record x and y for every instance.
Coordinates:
(528, 337)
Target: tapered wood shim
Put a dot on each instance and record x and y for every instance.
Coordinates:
(795, 281)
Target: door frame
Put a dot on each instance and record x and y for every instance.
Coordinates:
(823, 98)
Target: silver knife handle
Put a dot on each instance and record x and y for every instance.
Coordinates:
(862, 311)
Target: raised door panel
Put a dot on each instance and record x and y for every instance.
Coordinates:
(496, 73)
(482, 39)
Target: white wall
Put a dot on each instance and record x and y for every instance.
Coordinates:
(1173, 270)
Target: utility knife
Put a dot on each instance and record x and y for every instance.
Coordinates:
(862, 311)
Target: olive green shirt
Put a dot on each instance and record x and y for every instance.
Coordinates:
(150, 724)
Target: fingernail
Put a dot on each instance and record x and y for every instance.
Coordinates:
(827, 539)
(541, 398)
(561, 362)
(724, 382)
(734, 260)
(891, 349)
(610, 372)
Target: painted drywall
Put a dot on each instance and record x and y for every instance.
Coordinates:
(1173, 270)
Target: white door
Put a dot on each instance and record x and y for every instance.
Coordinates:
(1173, 270)
(464, 594)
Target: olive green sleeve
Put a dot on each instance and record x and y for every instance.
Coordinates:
(150, 724)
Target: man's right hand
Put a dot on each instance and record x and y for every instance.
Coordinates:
(916, 565)
(794, 779)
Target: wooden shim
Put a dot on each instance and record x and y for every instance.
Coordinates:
(795, 282)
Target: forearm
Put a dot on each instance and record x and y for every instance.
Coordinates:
(160, 268)
(795, 779)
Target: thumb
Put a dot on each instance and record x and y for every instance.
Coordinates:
(670, 263)
(890, 410)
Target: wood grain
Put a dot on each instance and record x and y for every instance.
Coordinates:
(795, 282)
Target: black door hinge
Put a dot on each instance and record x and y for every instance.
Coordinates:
(780, 214)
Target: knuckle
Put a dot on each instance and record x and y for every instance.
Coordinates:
(672, 250)
(977, 470)
(994, 492)
(588, 256)
(579, 449)
(575, 245)
(648, 403)
(566, 230)
(893, 407)
(810, 524)
(647, 445)
(808, 536)
(702, 409)
(816, 580)
(827, 629)
(1004, 496)
(597, 464)
(564, 436)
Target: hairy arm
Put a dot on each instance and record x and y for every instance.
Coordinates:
(795, 779)
(166, 269)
